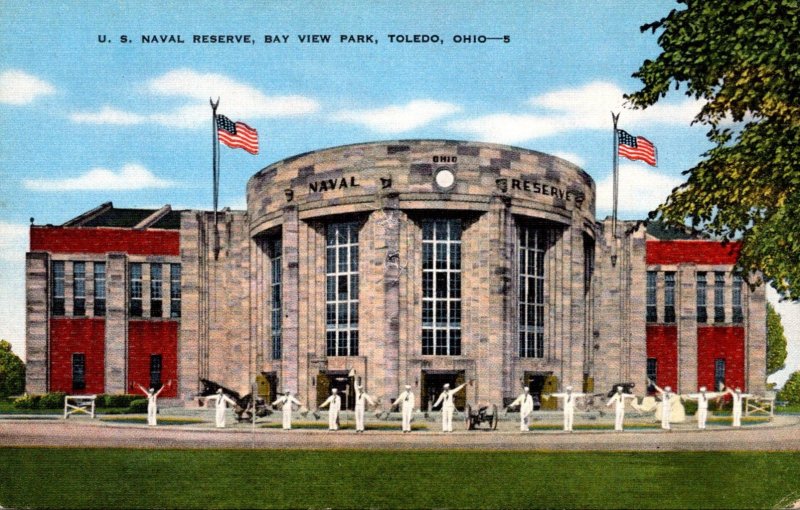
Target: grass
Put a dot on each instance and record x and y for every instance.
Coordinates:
(7, 407)
(320, 425)
(169, 420)
(120, 478)
(789, 408)
(590, 426)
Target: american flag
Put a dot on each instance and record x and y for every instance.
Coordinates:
(636, 147)
(237, 135)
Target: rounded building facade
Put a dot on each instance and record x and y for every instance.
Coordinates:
(414, 262)
(421, 262)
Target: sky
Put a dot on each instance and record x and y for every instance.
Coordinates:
(85, 122)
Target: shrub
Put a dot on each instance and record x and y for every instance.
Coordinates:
(120, 400)
(52, 400)
(791, 389)
(27, 402)
(138, 406)
(690, 406)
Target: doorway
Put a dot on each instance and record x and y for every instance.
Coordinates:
(432, 383)
(540, 383)
(342, 381)
(267, 386)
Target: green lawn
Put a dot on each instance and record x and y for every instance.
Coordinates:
(119, 478)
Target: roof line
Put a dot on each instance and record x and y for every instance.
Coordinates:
(89, 215)
(153, 218)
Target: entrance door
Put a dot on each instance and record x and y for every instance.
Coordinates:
(329, 379)
(267, 386)
(434, 380)
(542, 383)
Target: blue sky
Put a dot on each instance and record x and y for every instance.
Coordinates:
(85, 122)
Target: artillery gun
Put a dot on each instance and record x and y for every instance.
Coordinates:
(243, 410)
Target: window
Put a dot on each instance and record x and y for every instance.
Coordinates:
(719, 373)
(719, 297)
(79, 289)
(441, 287)
(99, 289)
(78, 371)
(702, 313)
(156, 290)
(58, 287)
(651, 296)
(274, 251)
(652, 374)
(136, 290)
(530, 251)
(174, 291)
(588, 263)
(736, 298)
(669, 296)
(341, 289)
(155, 371)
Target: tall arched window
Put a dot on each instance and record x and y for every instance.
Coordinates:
(531, 248)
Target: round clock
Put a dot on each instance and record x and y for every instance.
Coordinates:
(444, 178)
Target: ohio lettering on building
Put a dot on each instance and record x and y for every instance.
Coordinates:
(408, 262)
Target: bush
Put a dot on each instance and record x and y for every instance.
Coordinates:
(52, 400)
(27, 402)
(690, 406)
(138, 406)
(791, 389)
(12, 371)
(120, 400)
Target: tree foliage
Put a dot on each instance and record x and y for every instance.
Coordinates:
(776, 341)
(740, 59)
(12, 371)
(791, 389)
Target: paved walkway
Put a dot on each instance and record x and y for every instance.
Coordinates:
(782, 434)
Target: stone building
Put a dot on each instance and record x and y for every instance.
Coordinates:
(408, 262)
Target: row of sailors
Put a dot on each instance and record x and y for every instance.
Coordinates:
(446, 399)
(525, 403)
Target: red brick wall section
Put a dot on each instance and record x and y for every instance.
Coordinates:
(105, 240)
(152, 337)
(715, 342)
(68, 336)
(692, 252)
(662, 344)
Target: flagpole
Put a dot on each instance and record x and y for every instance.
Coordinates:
(215, 171)
(615, 118)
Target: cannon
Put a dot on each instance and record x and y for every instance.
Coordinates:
(483, 414)
(243, 410)
(627, 387)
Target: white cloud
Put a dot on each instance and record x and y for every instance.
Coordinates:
(129, 177)
(13, 245)
(13, 241)
(587, 107)
(237, 100)
(108, 115)
(640, 190)
(507, 128)
(20, 88)
(572, 158)
(398, 118)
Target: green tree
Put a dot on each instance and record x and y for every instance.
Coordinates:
(740, 59)
(791, 389)
(12, 371)
(776, 341)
